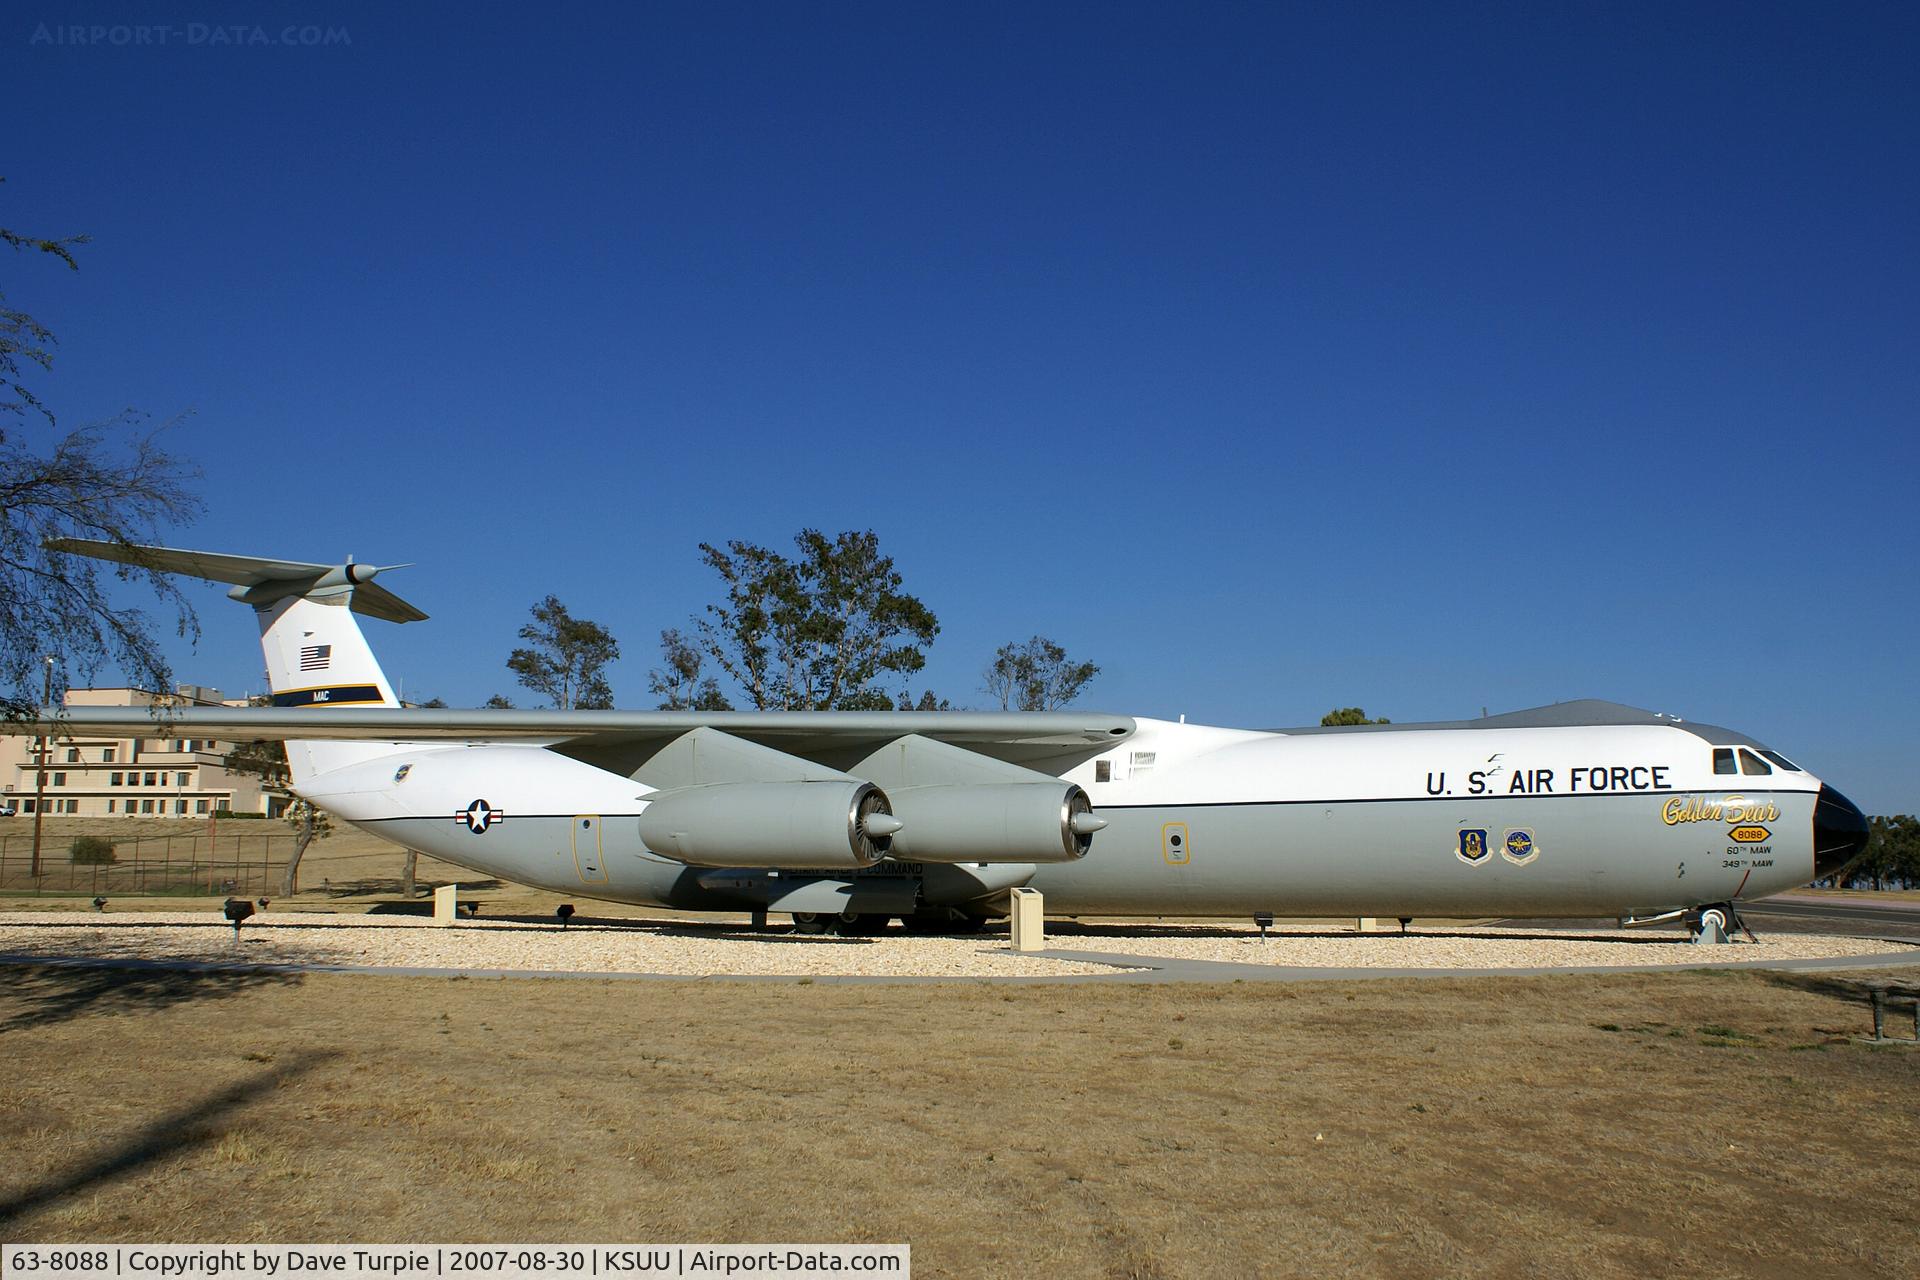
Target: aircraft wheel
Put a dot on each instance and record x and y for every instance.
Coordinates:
(809, 922)
(855, 924)
(1719, 915)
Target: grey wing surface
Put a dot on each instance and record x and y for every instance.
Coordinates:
(623, 740)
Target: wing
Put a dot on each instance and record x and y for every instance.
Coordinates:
(623, 741)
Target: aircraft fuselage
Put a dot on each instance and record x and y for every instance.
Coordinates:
(1576, 820)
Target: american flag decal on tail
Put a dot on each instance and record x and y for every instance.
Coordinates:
(315, 657)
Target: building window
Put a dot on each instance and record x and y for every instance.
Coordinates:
(73, 806)
(146, 806)
(179, 744)
(59, 779)
(180, 780)
(106, 756)
(116, 779)
(73, 755)
(110, 803)
(179, 806)
(199, 806)
(153, 780)
(26, 806)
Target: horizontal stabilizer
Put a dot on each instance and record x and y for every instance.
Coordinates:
(257, 580)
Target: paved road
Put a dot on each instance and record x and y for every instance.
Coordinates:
(1800, 913)
(1860, 917)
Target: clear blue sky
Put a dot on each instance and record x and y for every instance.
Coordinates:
(1274, 357)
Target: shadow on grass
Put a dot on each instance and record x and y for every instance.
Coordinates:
(1853, 990)
(171, 1135)
(393, 888)
(52, 994)
(420, 907)
(718, 931)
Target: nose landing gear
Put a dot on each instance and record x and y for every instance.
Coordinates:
(1716, 923)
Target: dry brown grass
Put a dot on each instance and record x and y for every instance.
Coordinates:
(1719, 1123)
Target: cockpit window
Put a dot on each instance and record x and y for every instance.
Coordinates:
(1782, 761)
(1723, 760)
(1751, 763)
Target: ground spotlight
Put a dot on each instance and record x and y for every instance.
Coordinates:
(236, 910)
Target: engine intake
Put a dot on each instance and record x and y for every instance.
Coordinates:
(994, 822)
(772, 824)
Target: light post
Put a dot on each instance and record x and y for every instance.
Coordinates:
(40, 785)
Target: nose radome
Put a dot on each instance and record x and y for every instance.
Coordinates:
(1839, 833)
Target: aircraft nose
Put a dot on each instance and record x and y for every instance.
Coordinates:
(1839, 832)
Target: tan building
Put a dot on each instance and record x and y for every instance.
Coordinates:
(174, 777)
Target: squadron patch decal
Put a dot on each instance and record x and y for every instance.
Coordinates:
(1473, 845)
(1519, 847)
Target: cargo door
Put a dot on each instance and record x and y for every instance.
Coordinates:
(586, 849)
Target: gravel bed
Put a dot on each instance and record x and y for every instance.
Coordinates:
(411, 941)
(680, 949)
(1462, 947)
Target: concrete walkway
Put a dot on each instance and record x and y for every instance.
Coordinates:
(1127, 969)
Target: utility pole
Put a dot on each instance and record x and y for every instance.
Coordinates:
(40, 787)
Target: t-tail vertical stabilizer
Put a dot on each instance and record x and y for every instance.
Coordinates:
(316, 654)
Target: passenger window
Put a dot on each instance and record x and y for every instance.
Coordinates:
(1751, 763)
(1782, 761)
(1723, 760)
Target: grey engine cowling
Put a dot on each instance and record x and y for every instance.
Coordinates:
(771, 824)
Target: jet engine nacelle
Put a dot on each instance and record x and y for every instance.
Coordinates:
(771, 824)
(994, 822)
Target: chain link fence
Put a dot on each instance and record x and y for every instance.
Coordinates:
(243, 864)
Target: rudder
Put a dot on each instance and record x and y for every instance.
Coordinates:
(318, 657)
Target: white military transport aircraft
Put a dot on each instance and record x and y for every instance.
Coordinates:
(849, 820)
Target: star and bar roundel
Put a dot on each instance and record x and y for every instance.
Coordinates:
(480, 815)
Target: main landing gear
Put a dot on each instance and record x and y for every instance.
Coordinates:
(939, 920)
